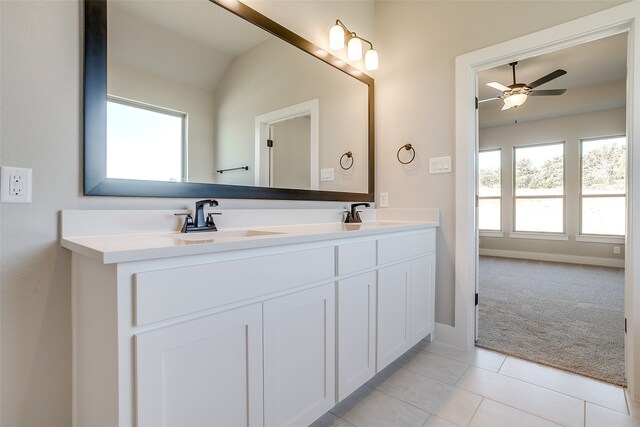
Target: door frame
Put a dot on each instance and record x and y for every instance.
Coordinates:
(264, 121)
(616, 20)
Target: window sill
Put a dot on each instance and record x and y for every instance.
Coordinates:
(489, 233)
(540, 236)
(600, 239)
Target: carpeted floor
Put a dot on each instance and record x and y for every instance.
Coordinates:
(563, 315)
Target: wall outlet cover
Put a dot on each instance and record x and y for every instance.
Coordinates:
(327, 174)
(384, 200)
(15, 185)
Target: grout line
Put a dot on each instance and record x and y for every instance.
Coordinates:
(566, 394)
(526, 412)
(405, 402)
(502, 364)
(465, 371)
(476, 411)
(339, 417)
(530, 384)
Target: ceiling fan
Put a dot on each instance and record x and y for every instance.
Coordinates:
(516, 94)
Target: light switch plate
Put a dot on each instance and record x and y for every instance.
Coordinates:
(327, 174)
(440, 164)
(15, 185)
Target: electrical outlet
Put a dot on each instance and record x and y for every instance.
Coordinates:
(384, 200)
(15, 185)
(616, 249)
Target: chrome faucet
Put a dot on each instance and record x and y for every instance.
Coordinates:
(353, 216)
(201, 223)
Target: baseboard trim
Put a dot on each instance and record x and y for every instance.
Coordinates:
(571, 259)
(446, 334)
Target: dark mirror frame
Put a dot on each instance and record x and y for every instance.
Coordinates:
(95, 120)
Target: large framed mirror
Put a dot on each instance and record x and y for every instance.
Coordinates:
(209, 98)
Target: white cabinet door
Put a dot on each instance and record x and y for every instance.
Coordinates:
(423, 276)
(203, 372)
(394, 306)
(356, 332)
(299, 357)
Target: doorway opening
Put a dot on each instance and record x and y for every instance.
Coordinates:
(551, 209)
(287, 147)
(617, 20)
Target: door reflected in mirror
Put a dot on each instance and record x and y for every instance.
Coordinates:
(290, 155)
(189, 98)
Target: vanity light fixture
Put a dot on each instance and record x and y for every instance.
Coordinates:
(339, 34)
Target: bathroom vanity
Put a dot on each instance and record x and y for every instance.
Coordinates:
(258, 326)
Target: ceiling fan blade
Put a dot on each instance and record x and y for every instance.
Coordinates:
(498, 86)
(542, 80)
(548, 92)
(489, 99)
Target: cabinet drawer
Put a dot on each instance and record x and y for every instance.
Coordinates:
(392, 249)
(163, 294)
(356, 256)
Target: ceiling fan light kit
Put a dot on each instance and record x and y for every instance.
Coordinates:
(517, 94)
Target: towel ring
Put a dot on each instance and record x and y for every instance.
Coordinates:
(348, 155)
(406, 147)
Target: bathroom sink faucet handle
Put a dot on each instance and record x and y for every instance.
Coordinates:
(188, 221)
(210, 222)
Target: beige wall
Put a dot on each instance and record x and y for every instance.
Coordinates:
(40, 113)
(569, 129)
(418, 42)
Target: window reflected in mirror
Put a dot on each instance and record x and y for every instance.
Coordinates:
(145, 142)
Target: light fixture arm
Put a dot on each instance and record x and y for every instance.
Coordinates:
(365, 40)
(351, 34)
(344, 27)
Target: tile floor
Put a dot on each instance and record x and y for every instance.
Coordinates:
(434, 385)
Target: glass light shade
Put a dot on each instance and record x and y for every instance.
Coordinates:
(371, 60)
(354, 49)
(336, 37)
(515, 100)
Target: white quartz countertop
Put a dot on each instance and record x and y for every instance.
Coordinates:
(118, 248)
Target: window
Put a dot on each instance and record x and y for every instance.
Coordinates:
(144, 142)
(539, 188)
(602, 171)
(489, 190)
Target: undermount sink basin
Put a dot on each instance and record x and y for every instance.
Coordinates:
(222, 235)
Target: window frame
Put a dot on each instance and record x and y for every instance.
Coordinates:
(581, 196)
(500, 197)
(184, 168)
(564, 189)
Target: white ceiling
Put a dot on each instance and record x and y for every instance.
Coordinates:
(589, 64)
